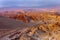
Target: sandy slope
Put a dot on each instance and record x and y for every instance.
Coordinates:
(7, 24)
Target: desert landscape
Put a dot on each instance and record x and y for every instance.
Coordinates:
(29, 24)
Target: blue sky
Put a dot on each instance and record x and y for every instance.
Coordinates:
(29, 3)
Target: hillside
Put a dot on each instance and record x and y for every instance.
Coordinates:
(31, 25)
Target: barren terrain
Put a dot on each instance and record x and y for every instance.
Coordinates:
(30, 25)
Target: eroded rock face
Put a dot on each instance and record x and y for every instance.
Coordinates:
(47, 27)
(36, 16)
(41, 33)
(21, 17)
(29, 15)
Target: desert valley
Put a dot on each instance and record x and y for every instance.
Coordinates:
(29, 25)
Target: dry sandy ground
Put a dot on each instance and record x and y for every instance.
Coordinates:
(46, 26)
(7, 24)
